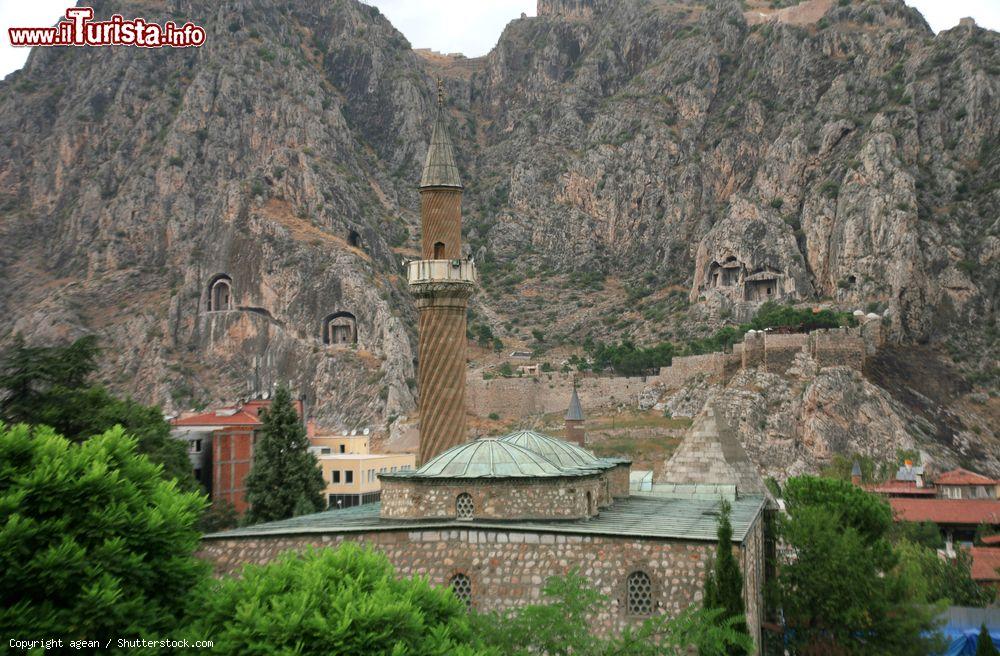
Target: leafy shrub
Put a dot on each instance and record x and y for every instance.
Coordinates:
(95, 542)
(330, 601)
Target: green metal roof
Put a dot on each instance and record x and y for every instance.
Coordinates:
(440, 169)
(638, 516)
(488, 458)
(561, 452)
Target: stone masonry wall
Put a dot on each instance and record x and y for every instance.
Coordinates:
(838, 347)
(780, 350)
(508, 568)
(751, 556)
(684, 368)
(533, 499)
(528, 395)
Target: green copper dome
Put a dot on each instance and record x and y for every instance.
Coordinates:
(489, 458)
(561, 452)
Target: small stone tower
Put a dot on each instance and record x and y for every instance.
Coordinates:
(856, 474)
(441, 283)
(574, 421)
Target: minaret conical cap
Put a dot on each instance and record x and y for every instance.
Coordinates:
(440, 169)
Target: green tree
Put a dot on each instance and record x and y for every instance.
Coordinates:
(984, 644)
(338, 602)
(48, 385)
(94, 542)
(842, 593)
(285, 479)
(937, 579)
(563, 625)
(724, 584)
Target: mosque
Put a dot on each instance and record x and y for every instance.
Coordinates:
(495, 517)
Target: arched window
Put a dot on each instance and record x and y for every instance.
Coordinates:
(340, 328)
(439, 250)
(464, 507)
(220, 293)
(461, 586)
(639, 594)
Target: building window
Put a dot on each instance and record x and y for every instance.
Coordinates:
(393, 470)
(461, 586)
(348, 476)
(464, 506)
(639, 594)
(439, 250)
(336, 476)
(197, 474)
(195, 446)
(343, 448)
(325, 451)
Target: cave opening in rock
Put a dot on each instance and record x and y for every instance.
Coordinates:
(220, 293)
(340, 328)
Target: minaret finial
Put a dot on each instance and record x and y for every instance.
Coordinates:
(440, 92)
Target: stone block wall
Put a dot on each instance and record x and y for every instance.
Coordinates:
(753, 350)
(780, 350)
(508, 569)
(686, 367)
(556, 498)
(838, 347)
(618, 481)
(528, 395)
(751, 557)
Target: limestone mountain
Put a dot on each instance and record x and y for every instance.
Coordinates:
(633, 168)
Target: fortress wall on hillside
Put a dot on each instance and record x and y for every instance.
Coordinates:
(529, 395)
(774, 353)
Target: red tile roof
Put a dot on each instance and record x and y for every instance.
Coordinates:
(991, 539)
(985, 562)
(947, 511)
(890, 488)
(963, 477)
(239, 418)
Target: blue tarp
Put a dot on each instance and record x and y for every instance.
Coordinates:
(964, 643)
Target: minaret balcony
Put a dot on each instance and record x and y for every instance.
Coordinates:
(420, 272)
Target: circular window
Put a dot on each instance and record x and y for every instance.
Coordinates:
(464, 506)
(461, 586)
(639, 594)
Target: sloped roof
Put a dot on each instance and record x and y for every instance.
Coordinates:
(489, 458)
(947, 511)
(575, 411)
(711, 453)
(237, 418)
(440, 169)
(890, 488)
(650, 517)
(963, 477)
(985, 562)
(561, 452)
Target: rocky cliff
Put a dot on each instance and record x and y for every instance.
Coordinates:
(617, 155)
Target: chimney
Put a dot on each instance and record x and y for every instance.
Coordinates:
(574, 421)
(856, 474)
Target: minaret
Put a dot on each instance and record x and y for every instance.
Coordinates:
(441, 284)
(574, 421)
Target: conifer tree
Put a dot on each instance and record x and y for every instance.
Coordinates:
(285, 479)
(724, 584)
(985, 646)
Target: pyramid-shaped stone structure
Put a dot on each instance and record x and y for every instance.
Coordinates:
(711, 453)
